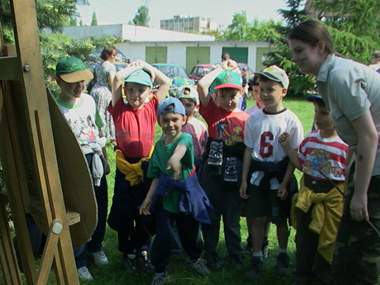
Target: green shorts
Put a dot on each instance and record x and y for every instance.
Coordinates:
(265, 203)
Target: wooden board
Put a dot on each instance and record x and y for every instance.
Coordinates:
(75, 177)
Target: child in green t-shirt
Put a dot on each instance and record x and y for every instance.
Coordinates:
(175, 192)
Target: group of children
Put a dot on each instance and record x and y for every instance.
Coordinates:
(194, 176)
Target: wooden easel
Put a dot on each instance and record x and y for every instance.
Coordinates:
(29, 160)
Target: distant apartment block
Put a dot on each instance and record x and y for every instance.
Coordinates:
(188, 24)
(82, 2)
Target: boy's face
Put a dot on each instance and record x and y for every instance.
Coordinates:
(322, 117)
(136, 94)
(72, 90)
(228, 98)
(189, 106)
(271, 94)
(171, 124)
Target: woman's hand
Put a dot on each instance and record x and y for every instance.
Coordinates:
(145, 206)
(358, 208)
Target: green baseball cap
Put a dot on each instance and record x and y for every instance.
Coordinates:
(228, 79)
(276, 74)
(189, 92)
(139, 76)
(71, 69)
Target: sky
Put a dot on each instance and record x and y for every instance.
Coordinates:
(220, 11)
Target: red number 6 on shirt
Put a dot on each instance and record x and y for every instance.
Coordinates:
(266, 148)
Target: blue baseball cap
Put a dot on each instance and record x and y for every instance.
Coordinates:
(315, 98)
(139, 76)
(171, 105)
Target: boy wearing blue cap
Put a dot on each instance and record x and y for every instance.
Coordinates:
(267, 172)
(79, 109)
(322, 157)
(135, 122)
(175, 194)
(220, 92)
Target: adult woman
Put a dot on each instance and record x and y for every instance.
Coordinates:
(352, 93)
(104, 73)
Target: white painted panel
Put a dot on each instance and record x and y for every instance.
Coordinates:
(177, 54)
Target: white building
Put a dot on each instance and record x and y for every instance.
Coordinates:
(162, 46)
(189, 24)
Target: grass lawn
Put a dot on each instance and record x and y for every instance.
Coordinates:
(114, 273)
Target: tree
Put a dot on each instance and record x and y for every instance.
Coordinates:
(243, 30)
(73, 22)
(142, 17)
(51, 14)
(280, 55)
(353, 24)
(94, 20)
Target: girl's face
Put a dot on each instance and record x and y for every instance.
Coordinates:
(308, 58)
(136, 94)
(228, 98)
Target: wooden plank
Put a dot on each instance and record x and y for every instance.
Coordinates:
(14, 169)
(73, 218)
(39, 126)
(8, 256)
(50, 251)
(12, 72)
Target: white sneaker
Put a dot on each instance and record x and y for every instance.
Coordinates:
(84, 274)
(99, 257)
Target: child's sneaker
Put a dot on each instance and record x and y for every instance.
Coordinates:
(282, 263)
(213, 262)
(159, 278)
(257, 267)
(130, 262)
(144, 263)
(235, 261)
(200, 267)
(99, 258)
(84, 274)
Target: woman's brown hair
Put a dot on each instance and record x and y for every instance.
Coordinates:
(107, 52)
(312, 32)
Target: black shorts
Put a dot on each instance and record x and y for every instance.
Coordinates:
(265, 203)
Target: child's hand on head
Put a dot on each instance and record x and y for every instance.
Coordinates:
(175, 165)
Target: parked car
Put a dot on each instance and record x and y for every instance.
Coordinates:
(200, 70)
(177, 74)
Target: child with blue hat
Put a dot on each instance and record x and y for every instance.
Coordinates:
(175, 194)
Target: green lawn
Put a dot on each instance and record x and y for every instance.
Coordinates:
(115, 274)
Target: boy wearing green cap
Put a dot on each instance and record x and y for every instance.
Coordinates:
(194, 126)
(267, 172)
(224, 154)
(135, 122)
(80, 111)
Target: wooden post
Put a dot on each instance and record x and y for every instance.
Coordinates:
(28, 152)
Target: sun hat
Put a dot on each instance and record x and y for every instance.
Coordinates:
(171, 105)
(139, 76)
(276, 74)
(71, 69)
(191, 93)
(228, 79)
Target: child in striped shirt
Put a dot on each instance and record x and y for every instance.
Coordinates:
(322, 157)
